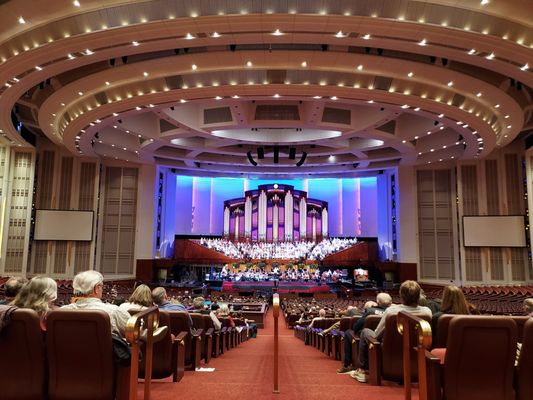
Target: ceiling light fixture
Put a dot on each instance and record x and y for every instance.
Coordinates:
(249, 64)
(410, 74)
(216, 35)
(367, 36)
(360, 67)
(525, 67)
(277, 32)
(22, 20)
(188, 36)
(490, 56)
(194, 67)
(423, 42)
(472, 51)
(76, 3)
(135, 43)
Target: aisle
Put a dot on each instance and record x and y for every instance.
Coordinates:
(246, 373)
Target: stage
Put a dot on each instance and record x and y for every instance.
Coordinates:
(270, 286)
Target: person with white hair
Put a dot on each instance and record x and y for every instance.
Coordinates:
(88, 289)
(384, 300)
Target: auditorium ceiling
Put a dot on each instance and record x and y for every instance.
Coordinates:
(274, 88)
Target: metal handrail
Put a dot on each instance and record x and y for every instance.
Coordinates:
(143, 326)
(275, 304)
(406, 322)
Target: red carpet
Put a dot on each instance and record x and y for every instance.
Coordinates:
(247, 372)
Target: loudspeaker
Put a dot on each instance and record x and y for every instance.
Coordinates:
(292, 153)
(302, 159)
(251, 159)
(260, 153)
(112, 62)
(232, 47)
(124, 59)
(276, 155)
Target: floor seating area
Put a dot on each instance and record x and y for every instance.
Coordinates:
(472, 356)
(77, 348)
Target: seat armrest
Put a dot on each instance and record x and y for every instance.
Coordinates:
(374, 361)
(199, 332)
(434, 376)
(209, 332)
(181, 336)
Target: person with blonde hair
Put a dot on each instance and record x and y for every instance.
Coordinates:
(140, 299)
(38, 294)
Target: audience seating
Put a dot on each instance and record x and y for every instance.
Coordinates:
(22, 358)
(80, 357)
(524, 381)
(168, 353)
(371, 322)
(478, 360)
(207, 336)
(180, 322)
(386, 356)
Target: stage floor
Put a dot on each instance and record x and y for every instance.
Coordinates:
(269, 286)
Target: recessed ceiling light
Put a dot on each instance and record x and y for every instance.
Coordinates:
(404, 141)
(218, 98)
(70, 56)
(80, 93)
(88, 52)
(340, 34)
(360, 67)
(423, 42)
(183, 101)
(333, 97)
(22, 20)
(450, 83)
(479, 94)
(145, 73)
(410, 74)
(215, 35)
(194, 67)
(509, 126)
(76, 3)
(507, 116)
(367, 36)
(249, 64)
(277, 32)
(151, 105)
(484, 2)
(490, 56)
(405, 106)
(317, 97)
(441, 115)
(188, 36)
(304, 64)
(370, 101)
(38, 68)
(276, 96)
(115, 114)
(138, 108)
(235, 97)
(107, 83)
(135, 43)
(472, 51)
(497, 106)
(525, 67)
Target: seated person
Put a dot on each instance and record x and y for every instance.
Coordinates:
(39, 295)
(198, 304)
(12, 287)
(140, 299)
(160, 299)
(453, 302)
(350, 311)
(528, 306)
(410, 295)
(223, 312)
(384, 300)
(88, 289)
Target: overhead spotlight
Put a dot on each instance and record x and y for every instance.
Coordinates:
(251, 159)
(380, 52)
(435, 123)
(276, 155)
(324, 47)
(124, 59)
(112, 62)
(233, 47)
(302, 159)
(261, 153)
(432, 59)
(444, 61)
(119, 121)
(172, 108)
(292, 153)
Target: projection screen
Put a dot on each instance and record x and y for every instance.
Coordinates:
(63, 225)
(494, 231)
